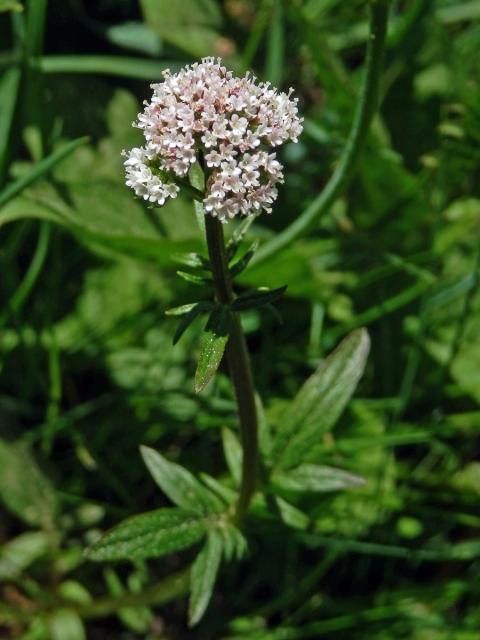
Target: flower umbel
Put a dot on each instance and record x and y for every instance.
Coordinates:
(204, 113)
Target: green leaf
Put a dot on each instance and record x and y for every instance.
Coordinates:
(149, 535)
(9, 85)
(189, 317)
(233, 453)
(317, 478)
(137, 619)
(237, 236)
(189, 25)
(10, 5)
(258, 298)
(233, 541)
(193, 278)
(135, 36)
(122, 66)
(65, 624)
(203, 577)
(41, 169)
(212, 347)
(24, 489)
(321, 400)
(179, 484)
(20, 552)
(242, 264)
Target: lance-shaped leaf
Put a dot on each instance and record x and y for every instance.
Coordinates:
(237, 236)
(189, 316)
(242, 264)
(318, 478)
(212, 346)
(179, 484)
(258, 298)
(321, 400)
(203, 576)
(193, 260)
(194, 279)
(233, 453)
(150, 535)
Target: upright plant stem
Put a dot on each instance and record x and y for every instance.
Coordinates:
(239, 366)
(342, 175)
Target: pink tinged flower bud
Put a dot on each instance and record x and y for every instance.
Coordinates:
(203, 113)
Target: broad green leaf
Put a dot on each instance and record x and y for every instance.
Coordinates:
(149, 535)
(318, 478)
(135, 36)
(65, 624)
(321, 400)
(39, 171)
(256, 299)
(203, 577)
(233, 453)
(179, 484)
(189, 25)
(24, 489)
(212, 346)
(19, 553)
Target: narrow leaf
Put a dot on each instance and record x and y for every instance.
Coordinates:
(149, 535)
(191, 277)
(318, 478)
(237, 236)
(242, 264)
(203, 577)
(179, 484)
(212, 347)
(193, 260)
(17, 554)
(233, 454)
(258, 298)
(41, 169)
(189, 317)
(321, 400)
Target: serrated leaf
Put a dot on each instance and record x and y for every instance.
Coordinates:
(24, 489)
(258, 298)
(203, 577)
(189, 317)
(233, 453)
(179, 484)
(321, 400)
(244, 261)
(318, 478)
(149, 535)
(212, 346)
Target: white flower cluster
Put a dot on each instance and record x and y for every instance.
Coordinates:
(204, 113)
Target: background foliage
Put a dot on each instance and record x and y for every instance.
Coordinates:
(88, 372)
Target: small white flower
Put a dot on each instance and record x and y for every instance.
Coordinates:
(203, 111)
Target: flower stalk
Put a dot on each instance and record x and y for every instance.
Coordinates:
(238, 361)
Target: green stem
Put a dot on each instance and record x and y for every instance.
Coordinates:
(342, 175)
(239, 365)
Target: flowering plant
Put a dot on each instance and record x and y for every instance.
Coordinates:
(227, 127)
(205, 114)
